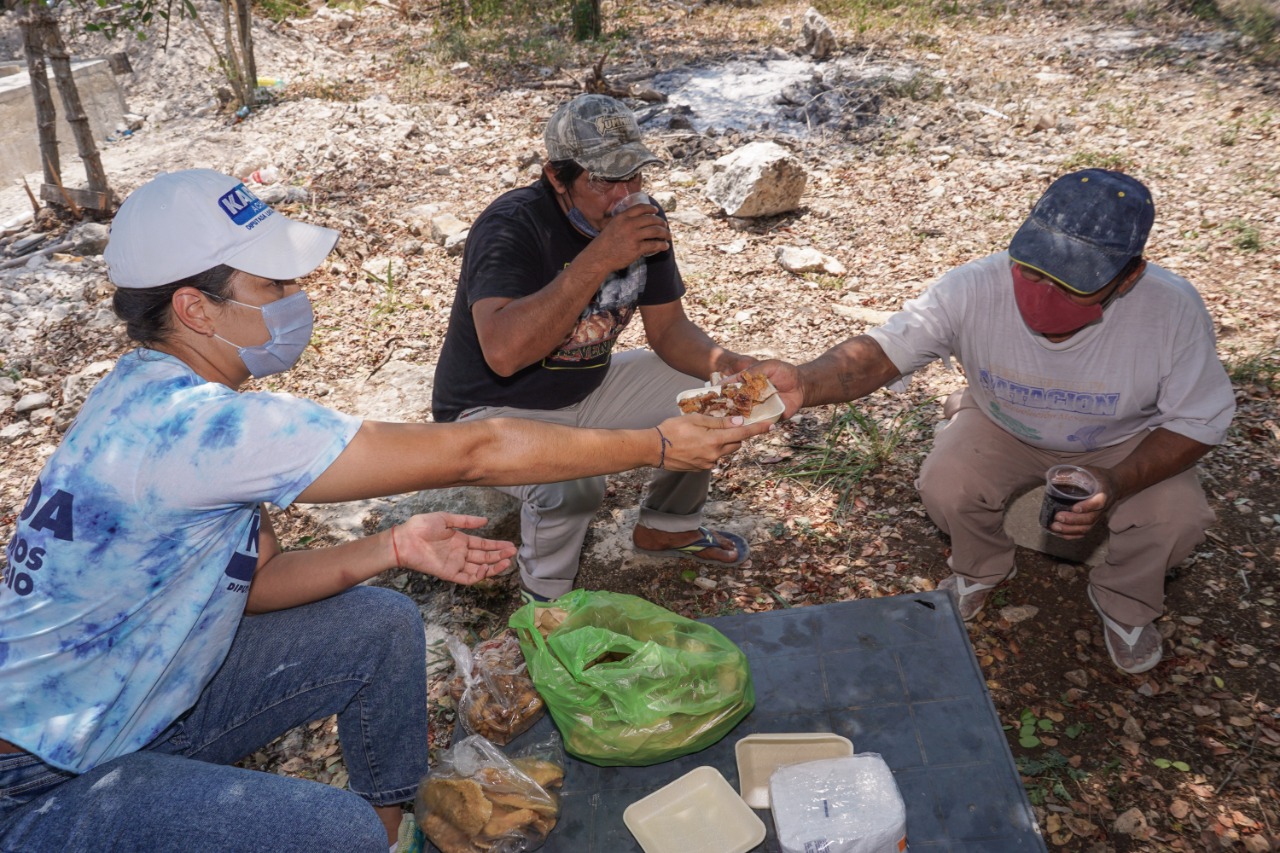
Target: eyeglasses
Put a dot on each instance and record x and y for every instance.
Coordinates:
(1032, 274)
(603, 185)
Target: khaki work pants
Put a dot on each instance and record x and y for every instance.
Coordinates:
(976, 466)
(639, 391)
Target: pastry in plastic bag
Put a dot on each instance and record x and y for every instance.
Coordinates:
(479, 801)
(631, 683)
(492, 691)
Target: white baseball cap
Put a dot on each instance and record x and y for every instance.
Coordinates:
(179, 224)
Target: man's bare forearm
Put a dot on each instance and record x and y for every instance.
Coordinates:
(848, 371)
(1161, 455)
(522, 331)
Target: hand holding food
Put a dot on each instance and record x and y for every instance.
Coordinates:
(786, 380)
(696, 442)
(751, 395)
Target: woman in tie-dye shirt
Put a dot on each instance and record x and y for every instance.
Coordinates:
(130, 680)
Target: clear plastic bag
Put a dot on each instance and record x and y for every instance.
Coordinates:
(492, 691)
(478, 800)
(842, 805)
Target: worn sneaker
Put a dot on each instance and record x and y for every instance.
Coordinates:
(970, 596)
(1132, 650)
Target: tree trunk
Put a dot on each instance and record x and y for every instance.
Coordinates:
(46, 115)
(233, 62)
(244, 26)
(77, 119)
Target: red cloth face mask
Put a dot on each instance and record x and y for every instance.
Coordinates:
(1047, 310)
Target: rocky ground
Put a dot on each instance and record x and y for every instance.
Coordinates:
(948, 132)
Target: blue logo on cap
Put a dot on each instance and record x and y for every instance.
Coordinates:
(241, 205)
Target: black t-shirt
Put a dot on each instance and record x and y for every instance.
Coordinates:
(519, 245)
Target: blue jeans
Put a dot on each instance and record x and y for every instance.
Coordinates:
(360, 655)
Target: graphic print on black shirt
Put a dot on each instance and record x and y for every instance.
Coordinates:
(602, 321)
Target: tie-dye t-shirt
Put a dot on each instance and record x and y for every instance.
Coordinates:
(129, 567)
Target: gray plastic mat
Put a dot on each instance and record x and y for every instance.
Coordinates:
(895, 675)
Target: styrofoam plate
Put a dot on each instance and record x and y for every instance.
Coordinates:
(761, 754)
(769, 409)
(697, 813)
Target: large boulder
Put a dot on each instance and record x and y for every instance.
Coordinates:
(758, 179)
(351, 520)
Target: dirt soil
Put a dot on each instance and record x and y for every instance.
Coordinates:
(938, 168)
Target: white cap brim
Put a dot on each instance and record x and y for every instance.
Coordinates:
(181, 224)
(289, 249)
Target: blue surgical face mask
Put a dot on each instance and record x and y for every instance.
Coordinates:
(289, 321)
(580, 222)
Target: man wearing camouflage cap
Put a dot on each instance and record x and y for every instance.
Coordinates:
(1078, 351)
(550, 277)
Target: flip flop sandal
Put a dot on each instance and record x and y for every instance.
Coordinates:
(694, 549)
(1113, 633)
(967, 591)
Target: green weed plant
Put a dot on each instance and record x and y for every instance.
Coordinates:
(855, 445)
(1048, 776)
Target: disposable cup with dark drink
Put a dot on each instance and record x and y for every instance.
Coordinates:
(1064, 487)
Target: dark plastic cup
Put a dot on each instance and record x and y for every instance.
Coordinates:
(1064, 487)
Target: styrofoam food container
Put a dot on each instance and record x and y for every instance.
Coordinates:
(761, 754)
(769, 409)
(697, 813)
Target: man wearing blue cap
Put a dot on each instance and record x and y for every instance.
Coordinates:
(1078, 351)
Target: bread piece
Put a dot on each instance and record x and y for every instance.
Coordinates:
(506, 822)
(461, 802)
(549, 805)
(444, 835)
(541, 828)
(548, 774)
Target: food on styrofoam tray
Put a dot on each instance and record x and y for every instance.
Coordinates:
(752, 396)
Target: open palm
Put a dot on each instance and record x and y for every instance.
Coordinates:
(437, 544)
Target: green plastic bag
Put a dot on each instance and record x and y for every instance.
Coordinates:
(631, 683)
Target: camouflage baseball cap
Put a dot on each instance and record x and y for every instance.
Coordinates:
(600, 134)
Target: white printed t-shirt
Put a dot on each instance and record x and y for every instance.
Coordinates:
(129, 567)
(1150, 362)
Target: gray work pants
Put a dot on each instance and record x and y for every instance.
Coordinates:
(639, 391)
(975, 467)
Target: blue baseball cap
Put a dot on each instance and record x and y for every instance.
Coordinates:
(1085, 228)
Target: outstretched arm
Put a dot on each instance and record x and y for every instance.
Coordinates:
(848, 371)
(389, 459)
(684, 346)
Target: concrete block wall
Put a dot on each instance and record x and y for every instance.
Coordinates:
(19, 145)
